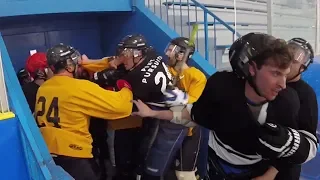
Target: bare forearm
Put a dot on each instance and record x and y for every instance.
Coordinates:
(164, 114)
(168, 115)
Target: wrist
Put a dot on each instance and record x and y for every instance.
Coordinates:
(153, 114)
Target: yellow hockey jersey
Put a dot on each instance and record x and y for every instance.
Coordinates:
(192, 81)
(63, 109)
(123, 123)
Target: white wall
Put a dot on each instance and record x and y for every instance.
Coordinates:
(291, 18)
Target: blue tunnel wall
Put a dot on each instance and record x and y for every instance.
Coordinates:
(94, 34)
(12, 154)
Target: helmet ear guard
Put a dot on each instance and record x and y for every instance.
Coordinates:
(242, 59)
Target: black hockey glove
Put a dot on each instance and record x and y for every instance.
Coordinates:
(108, 77)
(276, 141)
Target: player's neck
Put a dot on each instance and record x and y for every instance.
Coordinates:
(181, 66)
(64, 73)
(251, 94)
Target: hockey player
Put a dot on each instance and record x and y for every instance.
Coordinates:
(24, 76)
(64, 105)
(149, 78)
(251, 114)
(308, 114)
(38, 68)
(192, 81)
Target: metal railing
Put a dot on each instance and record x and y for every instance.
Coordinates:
(180, 15)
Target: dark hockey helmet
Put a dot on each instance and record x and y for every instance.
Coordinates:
(302, 51)
(132, 44)
(58, 56)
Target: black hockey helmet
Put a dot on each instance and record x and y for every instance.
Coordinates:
(131, 43)
(58, 55)
(179, 48)
(182, 44)
(24, 76)
(23, 73)
(133, 48)
(247, 49)
(302, 51)
(252, 47)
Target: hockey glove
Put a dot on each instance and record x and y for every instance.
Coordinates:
(276, 141)
(108, 77)
(122, 84)
(175, 97)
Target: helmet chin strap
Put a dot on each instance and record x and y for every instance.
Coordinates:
(297, 73)
(135, 64)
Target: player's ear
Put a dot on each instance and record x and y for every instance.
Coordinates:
(252, 68)
(71, 67)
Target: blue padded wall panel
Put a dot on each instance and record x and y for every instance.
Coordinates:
(22, 34)
(19, 47)
(87, 41)
(25, 7)
(12, 153)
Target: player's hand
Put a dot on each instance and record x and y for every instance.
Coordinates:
(143, 109)
(108, 77)
(115, 61)
(276, 141)
(175, 97)
(84, 59)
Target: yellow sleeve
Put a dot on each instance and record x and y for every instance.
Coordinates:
(196, 86)
(96, 65)
(98, 102)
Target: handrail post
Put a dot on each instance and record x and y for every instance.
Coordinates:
(206, 37)
(4, 103)
(215, 42)
(270, 16)
(317, 47)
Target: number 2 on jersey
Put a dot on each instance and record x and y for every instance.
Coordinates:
(52, 110)
(161, 76)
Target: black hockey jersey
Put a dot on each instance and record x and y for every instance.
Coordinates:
(150, 79)
(223, 108)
